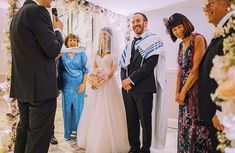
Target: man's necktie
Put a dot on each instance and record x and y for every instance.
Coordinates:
(133, 45)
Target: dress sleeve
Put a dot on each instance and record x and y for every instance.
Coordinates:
(115, 60)
(84, 63)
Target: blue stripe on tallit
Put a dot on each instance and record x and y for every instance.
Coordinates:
(123, 56)
(123, 61)
(143, 39)
(143, 52)
(156, 46)
(124, 53)
(150, 51)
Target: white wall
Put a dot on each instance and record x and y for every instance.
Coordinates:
(193, 10)
(3, 26)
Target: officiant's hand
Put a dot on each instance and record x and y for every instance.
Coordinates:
(57, 23)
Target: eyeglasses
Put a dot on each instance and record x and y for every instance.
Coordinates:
(209, 4)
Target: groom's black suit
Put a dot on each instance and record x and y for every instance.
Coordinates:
(138, 101)
(33, 81)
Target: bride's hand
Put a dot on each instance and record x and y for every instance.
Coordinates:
(106, 78)
(101, 83)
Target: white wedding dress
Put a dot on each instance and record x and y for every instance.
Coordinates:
(102, 127)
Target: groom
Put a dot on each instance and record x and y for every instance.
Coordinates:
(137, 62)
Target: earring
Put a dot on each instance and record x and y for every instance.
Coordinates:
(229, 9)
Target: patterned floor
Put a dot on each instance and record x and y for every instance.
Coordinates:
(70, 146)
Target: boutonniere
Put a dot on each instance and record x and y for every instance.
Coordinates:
(218, 32)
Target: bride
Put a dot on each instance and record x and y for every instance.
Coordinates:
(102, 128)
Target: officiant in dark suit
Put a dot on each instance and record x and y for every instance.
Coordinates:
(138, 62)
(217, 12)
(35, 43)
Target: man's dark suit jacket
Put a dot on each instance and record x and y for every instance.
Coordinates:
(142, 77)
(207, 85)
(34, 47)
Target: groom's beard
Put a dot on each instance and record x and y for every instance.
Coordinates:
(139, 29)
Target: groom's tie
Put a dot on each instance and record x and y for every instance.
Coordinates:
(133, 46)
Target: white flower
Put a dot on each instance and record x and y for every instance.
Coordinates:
(229, 44)
(7, 98)
(231, 73)
(229, 122)
(219, 69)
(229, 150)
(218, 32)
(223, 72)
(4, 86)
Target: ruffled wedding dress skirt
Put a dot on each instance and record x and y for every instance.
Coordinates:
(102, 127)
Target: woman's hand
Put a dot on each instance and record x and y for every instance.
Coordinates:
(176, 96)
(81, 87)
(180, 97)
(58, 56)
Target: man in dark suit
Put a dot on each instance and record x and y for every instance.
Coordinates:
(138, 84)
(217, 14)
(35, 45)
(54, 141)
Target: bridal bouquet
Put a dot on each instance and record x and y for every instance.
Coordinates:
(96, 78)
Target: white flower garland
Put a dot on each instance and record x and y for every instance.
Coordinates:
(223, 72)
(218, 32)
(7, 137)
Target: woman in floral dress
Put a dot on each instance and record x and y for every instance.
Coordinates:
(193, 134)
